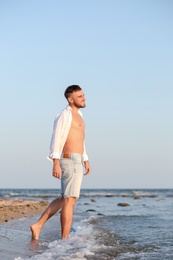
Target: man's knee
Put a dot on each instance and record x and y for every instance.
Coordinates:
(70, 200)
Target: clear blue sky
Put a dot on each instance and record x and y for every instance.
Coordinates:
(121, 53)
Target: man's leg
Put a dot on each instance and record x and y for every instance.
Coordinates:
(67, 216)
(53, 207)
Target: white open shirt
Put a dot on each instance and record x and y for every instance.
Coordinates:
(61, 129)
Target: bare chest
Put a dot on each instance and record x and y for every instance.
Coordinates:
(77, 122)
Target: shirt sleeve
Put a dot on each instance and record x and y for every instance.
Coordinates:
(61, 129)
(85, 156)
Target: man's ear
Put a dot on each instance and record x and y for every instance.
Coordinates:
(70, 100)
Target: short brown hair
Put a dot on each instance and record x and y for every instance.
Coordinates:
(71, 89)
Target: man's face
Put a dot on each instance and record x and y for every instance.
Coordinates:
(77, 99)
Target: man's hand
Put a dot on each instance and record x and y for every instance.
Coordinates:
(56, 171)
(87, 167)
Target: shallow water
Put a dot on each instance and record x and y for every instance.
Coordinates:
(142, 230)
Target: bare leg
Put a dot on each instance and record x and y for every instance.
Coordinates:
(67, 216)
(53, 207)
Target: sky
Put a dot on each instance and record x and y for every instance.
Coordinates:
(121, 54)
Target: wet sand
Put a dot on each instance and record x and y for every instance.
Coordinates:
(16, 216)
(16, 208)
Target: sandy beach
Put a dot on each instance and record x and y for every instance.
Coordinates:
(16, 208)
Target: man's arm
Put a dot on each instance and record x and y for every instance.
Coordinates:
(87, 167)
(56, 171)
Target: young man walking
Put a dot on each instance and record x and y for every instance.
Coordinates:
(67, 151)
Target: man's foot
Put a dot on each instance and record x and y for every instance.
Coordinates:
(34, 245)
(65, 237)
(35, 230)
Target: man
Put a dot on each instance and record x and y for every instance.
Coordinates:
(67, 151)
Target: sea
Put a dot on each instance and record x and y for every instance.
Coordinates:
(121, 224)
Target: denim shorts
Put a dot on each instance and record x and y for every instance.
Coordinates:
(72, 175)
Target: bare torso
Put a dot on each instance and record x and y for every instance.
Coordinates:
(75, 139)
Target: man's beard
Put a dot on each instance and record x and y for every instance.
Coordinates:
(79, 105)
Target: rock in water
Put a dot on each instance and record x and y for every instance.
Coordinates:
(123, 204)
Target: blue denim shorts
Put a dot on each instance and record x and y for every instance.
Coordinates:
(72, 175)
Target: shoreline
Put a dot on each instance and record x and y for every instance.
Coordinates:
(18, 208)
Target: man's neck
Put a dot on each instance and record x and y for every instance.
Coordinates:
(74, 108)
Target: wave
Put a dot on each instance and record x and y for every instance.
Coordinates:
(52, 193)
(86, 242)
(89, 241)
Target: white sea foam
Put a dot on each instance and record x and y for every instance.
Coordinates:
(81, 244)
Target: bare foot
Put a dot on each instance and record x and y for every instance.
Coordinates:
(65, 237)
(35, 229)
(34, 245)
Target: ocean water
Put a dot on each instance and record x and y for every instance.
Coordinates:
(101, 228)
